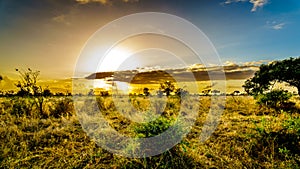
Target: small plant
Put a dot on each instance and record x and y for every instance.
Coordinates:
(153, 128)
(293, 124)
(284, 151)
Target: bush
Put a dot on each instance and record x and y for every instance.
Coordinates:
(153, 128)
(63, 106)
(22, 106)
(274, 99)
(293, 125)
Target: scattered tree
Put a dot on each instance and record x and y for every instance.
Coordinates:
(28, 87)
(28, 83)
(146, 91)
(167, 87)
(47, 92)
(181, 92)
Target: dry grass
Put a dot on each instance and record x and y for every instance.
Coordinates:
(248, 136)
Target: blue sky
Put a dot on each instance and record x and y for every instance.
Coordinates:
(48, 35)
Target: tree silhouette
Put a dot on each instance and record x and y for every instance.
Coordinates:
(287, 70)
(181, 92)
(28, 87)
(47, 92)
(146, 91)
(167, 87)
(28, 83)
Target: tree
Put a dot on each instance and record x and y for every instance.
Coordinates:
(28, 83)
(287, 70)
(28, 87)
(47, 92)
(167, 87)
(146, 91)
(181, 92)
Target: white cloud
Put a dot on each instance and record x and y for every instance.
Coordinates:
(255, 63)
(230, 63)
(196, 66)
(232, 1)
(275, 25)
(278, 26)
(256, 3)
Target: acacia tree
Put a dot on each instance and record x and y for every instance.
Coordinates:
(28, 83)
(167, 87)
(28, 87)
(287, 70)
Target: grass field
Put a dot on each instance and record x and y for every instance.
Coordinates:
(248, 136)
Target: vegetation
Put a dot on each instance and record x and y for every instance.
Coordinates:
(167, 87)
(249, 136)
(287, 70)
(38, 130)
(275, 98)
(261, 85)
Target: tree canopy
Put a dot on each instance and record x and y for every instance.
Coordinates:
(287, 70)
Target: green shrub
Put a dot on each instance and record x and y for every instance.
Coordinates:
(274, 99)
(293, 125)
(153, 128)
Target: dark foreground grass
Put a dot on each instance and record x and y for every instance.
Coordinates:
(248, 136)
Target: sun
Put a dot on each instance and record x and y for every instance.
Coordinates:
(113, 59)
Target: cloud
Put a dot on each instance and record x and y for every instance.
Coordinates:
(256, 3)
(229, 63)
(104, 2)
(256, 63)
(278, 26)
(232, 1)
(61, 19)
(275, 25)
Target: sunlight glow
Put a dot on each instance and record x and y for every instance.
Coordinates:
(114, 59)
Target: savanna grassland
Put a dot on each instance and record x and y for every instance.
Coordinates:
(49, 135)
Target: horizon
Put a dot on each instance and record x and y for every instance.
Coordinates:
(49, 35)
(238, 74)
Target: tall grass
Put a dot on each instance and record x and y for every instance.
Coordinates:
(248, 136)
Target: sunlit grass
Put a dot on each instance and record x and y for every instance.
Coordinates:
(248, 136)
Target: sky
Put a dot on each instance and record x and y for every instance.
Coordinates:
(49, 35)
